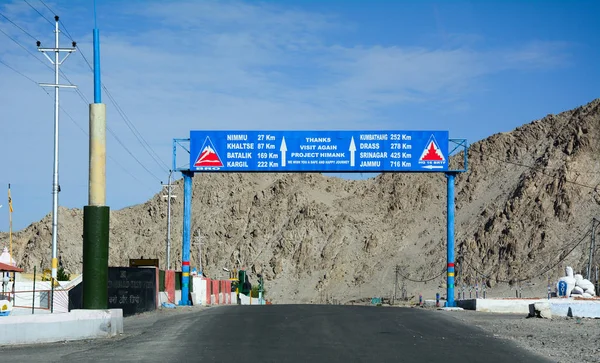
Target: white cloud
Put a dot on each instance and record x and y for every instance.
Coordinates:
(180, 65)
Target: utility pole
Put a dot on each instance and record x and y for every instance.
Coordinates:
(597, 282)
(169, 187)
(592, 248)
(199, 239)
(10, 212)
(55, 186)
(404, 297)
(397, 270)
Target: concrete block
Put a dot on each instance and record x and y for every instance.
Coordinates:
(575, 308)
(542, 310)
(116, 321)
(445, 308)
(163, 297)
(584, 308)
(506, 306)
(470, 304)
(429, 303)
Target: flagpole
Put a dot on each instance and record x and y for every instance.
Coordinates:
(10, 210)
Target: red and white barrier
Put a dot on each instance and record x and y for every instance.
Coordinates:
(215, 291)
(212, 292)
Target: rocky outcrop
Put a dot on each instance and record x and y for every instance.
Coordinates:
(527, 197)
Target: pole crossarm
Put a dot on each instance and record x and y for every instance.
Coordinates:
(57, 85)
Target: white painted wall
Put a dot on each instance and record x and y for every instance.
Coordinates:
(199, 287)
(46, 328)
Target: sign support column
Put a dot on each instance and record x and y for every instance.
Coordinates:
(450, 243)
(187, 233)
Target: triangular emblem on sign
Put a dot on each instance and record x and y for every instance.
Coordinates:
(208, 156)
(432, 151)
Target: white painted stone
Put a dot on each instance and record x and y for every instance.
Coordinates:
(543, 310)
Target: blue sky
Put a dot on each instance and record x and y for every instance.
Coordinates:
(474, 68)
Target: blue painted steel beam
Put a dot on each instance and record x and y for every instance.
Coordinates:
(458, 143)
(179, 143)
(187, 233)
(450, 243)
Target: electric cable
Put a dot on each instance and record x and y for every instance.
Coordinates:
(23, 30)
(77, 124)
(37, 11)
(424, 280)
(157, 159)
(561, 259)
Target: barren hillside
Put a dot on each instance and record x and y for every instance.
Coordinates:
(529, 194)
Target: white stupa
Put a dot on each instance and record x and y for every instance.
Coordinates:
(6, 258)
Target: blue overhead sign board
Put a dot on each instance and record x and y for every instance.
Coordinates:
(319, 151)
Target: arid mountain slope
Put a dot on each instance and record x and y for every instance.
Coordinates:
(527, 197)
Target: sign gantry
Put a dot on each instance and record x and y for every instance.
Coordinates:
(360, 151)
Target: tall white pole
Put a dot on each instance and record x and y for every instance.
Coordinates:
(10, 212)
(55, 185)
(592, 248)
(169, 223)
(169, 196)
(55, 169)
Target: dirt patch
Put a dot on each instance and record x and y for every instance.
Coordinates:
(563, 340)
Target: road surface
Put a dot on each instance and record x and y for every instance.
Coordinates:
(286, 333)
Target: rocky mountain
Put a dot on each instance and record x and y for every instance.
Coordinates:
(527, 200)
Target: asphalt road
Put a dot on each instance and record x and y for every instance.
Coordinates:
(286, 333)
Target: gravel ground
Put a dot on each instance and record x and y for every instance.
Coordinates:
(560, 339)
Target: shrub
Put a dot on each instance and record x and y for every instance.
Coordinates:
(254, 292)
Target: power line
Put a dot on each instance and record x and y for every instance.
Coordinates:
(130, 153)
(136, 132)
(67, 34)
(556, 251)
(23, 30)
(534, 168)
(119, 110)
(85, 100)
(16, 71)
(25, 49)
(37, 11)
(424, 280)
(76, 123)
(47, 7)
(130, 124)
(110, 157)
(464, 260)
(567, 122)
